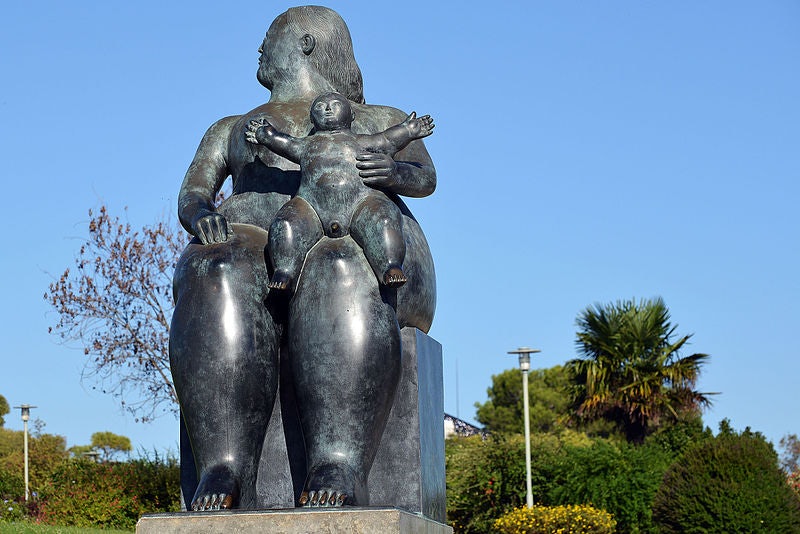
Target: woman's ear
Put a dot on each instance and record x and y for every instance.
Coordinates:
(308, 43)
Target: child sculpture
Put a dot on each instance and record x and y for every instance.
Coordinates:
(332, 199)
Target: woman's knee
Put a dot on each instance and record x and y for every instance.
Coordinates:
(237, 263)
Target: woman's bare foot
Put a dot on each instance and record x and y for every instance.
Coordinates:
(332, 486)
(218, 490)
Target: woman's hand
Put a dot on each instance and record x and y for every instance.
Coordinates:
(377, 170)
(211, 227)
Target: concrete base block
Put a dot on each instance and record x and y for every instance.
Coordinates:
(346, 520)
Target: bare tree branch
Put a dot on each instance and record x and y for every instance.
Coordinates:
(116, 303)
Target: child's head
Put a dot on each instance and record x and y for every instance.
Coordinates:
(331, 111)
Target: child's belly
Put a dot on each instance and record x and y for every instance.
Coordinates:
(334, 196)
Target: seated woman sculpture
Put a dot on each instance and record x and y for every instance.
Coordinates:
(332, 200)
(340, 329)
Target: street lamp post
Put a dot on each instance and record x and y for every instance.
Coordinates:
(26, 414)
(93, 455)
(525, 366)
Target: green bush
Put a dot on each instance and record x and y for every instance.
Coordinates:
(482, 481)
(730, 483)
(46, 453)
(571, 519)
(12, 511)
(486, 477)
(12, 485)
(156, 482)
(111, 495)
(82, 493)
(616, 477)
(680, 436)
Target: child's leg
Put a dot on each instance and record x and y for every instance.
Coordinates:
(294, 231)
(377, 226)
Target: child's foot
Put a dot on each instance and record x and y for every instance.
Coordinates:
(280, 281)
(394, 277)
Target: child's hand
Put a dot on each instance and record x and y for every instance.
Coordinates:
(419, 127)
(258, 130)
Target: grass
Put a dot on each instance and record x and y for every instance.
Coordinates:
(34, 528)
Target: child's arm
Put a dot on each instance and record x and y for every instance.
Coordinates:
(396, 138)
(261, 132)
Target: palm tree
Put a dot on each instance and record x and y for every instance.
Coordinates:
(630, 371)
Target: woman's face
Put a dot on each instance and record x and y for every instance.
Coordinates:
(274, 53)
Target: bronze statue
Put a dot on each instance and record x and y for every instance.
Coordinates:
(332, 200)
(340, 328)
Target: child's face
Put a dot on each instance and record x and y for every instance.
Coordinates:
(330, 112)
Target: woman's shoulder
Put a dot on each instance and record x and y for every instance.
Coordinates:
(376, 117)
(289, 117)
(223, 124)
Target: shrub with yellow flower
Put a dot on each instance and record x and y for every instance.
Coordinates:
(570, 519)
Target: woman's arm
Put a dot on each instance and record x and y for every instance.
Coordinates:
(411, 173)
(202, 182)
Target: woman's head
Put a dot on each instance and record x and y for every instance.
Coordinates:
(332, 54)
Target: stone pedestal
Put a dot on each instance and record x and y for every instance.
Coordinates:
(408, 472)
(345, 520)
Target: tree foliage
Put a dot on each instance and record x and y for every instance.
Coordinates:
(105, 447)
(10, 441)
(4, 409)
(109, 444)
(547, 394)
(116, 304)
(630, 371)
(730, 483)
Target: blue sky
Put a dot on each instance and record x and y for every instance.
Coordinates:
(586, 152)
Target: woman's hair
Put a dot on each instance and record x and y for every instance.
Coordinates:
(333, 54)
